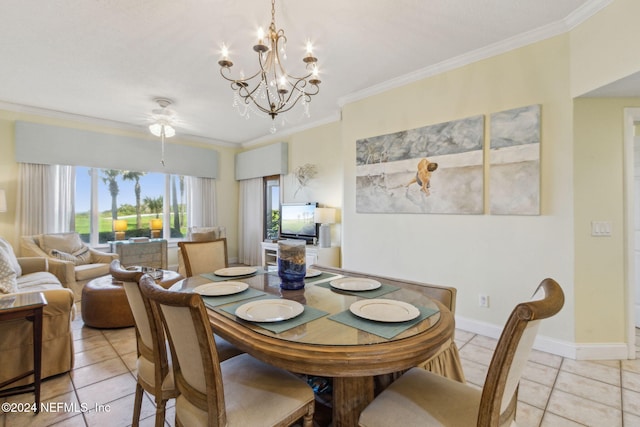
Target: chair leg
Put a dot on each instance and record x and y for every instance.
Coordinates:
(308, 418)
(160, 412)
(137, 405)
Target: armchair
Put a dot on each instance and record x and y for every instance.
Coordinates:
(72, 261)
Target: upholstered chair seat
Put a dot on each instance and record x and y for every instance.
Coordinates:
(422, 398)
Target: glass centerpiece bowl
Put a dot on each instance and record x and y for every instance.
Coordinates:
(291, 263)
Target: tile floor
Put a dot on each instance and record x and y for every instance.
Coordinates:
(554, 391)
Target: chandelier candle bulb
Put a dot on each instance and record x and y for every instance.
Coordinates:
(272, 89)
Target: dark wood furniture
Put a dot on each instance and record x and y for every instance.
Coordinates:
(327, 348)
(26, 306)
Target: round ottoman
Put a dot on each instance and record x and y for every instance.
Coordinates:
(105, 305)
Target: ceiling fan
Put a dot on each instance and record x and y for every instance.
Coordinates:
(163, 120)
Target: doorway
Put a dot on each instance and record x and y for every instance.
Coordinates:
(632, 224)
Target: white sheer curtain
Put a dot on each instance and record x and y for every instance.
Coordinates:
(45, 198)
(201, 201)
(251, 219)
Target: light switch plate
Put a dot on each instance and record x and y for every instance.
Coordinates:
(601, 228)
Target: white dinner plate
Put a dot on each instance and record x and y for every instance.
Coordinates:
(221, 288)
(384, 310)
(235, 271)
(312, 272)
(269, 310)
(355, 284)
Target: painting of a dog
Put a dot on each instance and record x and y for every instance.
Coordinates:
(423, 176)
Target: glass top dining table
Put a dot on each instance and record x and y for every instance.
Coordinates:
(327, 339)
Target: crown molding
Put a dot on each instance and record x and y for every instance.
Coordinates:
(334, 117)
(578, 16)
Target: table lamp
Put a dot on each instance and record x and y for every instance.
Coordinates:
(156, 228)
(119, 226)
(325, 217)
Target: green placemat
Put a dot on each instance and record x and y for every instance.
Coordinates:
(385, 330)
(307, 315)
(215, 278)
(212, 302)
(375, 293)
(310, 280)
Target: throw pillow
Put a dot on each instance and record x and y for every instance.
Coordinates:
(8, 283)
(64, 242)
(12, 257)
(79, 257)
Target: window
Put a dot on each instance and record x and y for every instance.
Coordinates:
(152, 204)
(271, 207)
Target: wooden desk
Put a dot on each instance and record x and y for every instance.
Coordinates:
(328, 348)
(26, 306)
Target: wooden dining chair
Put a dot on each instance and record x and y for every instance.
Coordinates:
(421, 398)
(154, 372)
(204, 257)
(241, 391)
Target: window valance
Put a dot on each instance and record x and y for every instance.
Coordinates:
(265, 161)
(46, 144)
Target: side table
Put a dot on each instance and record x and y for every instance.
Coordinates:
(26, 306)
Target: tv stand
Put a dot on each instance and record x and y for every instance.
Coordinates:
(329, 257)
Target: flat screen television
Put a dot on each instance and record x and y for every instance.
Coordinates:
(296, 221)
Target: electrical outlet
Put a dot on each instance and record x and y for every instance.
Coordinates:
(483, 300)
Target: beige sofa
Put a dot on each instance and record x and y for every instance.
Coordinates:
(75, 262)
(16, 351)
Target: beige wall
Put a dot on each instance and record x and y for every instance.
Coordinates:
(502, 256)
(603, 49)
(599, 195)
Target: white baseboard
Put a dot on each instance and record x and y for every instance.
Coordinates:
(571, 350)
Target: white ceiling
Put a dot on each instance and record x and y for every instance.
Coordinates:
(108, 59)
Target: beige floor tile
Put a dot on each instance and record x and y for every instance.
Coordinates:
(57, 409)
(75, 421)
(541, 374)
(485, 342)
(94, 355)
(98, 372)
(631, 365)
(589, 389)
(84, 332)
(631, 402)
(108, 390)
(118, 413)
(89, 343)
(463, 336)
(130, 359)
(547, 359)
(581, 410)
(527, 415)
(593, 370)
(552, 420)
(631, 380)
(631, 420)
(55, 386)
(475, 373)
(122, 340)
(534, 394)
(476, 354)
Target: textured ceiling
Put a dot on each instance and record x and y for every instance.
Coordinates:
(108, 59)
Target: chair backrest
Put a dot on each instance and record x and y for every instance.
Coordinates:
(196, 365)
(149, 332)
(499, 396)
(204, 257)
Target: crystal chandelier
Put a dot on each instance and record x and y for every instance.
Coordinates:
(161, 126)
(272, 89)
